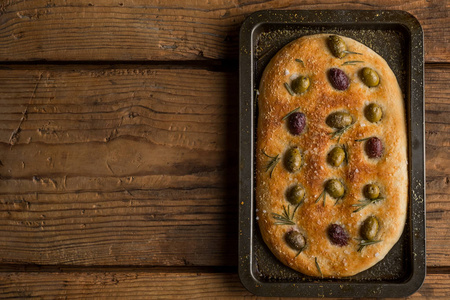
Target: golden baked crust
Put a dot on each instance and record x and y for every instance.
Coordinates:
(389, 172)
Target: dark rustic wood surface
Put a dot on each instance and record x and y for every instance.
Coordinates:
(136, 284)
(119, 138)
(169, 30)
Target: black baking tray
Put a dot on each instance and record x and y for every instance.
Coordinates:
(398, 37)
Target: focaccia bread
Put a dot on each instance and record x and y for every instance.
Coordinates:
(331, 157)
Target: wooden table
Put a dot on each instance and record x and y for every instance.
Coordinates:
(119, 138)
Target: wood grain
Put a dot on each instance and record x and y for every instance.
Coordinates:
(118, 166)
(167, 30)
(150, 285)
(120, 180)
(136, 166)
(437, 135)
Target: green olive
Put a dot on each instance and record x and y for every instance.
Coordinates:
(373, 112)
(371, 191)
(295, 240)
(369, 228)
(336, 156)
(337, 46)
(370, 77)
(293, 159)
(339, 119)
(296, 194)
(335, 188)
(300, 84)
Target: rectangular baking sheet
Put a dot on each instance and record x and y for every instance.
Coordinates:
(398, 37)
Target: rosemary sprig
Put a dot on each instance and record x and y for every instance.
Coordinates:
(300, 61)
(363, 203)
(364, 243)
(351, 52)
(289, 89)
(290, 113)
(352, 62)
(318, 267)
(286, 217)
(340, 132)
(364, 139)
(272, 162)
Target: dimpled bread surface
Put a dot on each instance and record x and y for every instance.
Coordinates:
(320, 257)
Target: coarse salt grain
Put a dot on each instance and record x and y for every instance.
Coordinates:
(286, 72)
(257, 218)
(377, 254)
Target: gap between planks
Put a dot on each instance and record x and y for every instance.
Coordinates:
(144, 269)
(218, 65)
(18, 268)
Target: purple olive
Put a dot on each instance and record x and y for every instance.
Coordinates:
(338, 235)
(374, 147)
(297, 122)
(338, 79)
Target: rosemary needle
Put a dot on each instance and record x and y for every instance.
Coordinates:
(318, 267)
(300, 251)
(363, 244)
(290, 113)
(351, 52)
(364, 139)
(352, 62)
(323, 194)
(300, 61)
(345, 148)
(288, 88)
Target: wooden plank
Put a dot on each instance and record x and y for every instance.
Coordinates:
(136, 166)
(151, 285)
(437, 135)
(118, 166)
(185, 30)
